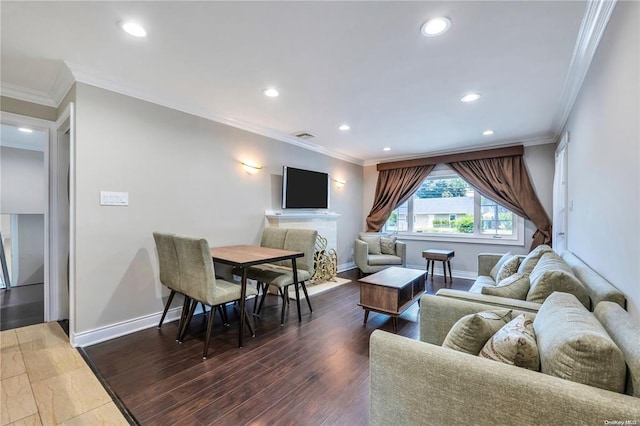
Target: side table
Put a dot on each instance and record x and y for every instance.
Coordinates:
(443, 256)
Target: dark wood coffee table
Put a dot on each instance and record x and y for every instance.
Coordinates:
(443, 256)
(391, 291)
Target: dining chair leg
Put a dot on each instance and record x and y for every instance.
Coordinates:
(306, 295)
(208, 337)
(222, 310)
(166, 307)
(248, 321)
(284, 306)
(255, 300)
(297, 289)
(187, 321)
(183, 316)
(204, 314)
(264, 295)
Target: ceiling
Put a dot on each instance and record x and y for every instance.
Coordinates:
(361, 63)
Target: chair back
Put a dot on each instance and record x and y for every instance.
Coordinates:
(273, 237)
(303, 240)
(197, 274)
(167, 260)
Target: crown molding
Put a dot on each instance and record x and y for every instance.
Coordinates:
(594, 24)
(61, 86)
(541, 140)
(87, 76)
(28, 95)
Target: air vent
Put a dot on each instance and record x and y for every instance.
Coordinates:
(304, 135)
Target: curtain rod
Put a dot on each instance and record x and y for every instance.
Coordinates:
(452, 158)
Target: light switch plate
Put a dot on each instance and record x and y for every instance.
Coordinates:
(109, 198)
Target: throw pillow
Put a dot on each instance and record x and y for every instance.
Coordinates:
(553, 274)
(508, 268)
(388, 245)
(471, 332)
(575, 346)
(373, 242)
(514, 344)
(496, 267)
(531, 260)
(514, 287)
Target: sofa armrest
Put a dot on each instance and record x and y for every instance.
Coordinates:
(487, 299)
(439, 314)
(413, 382)
(401, 250)
(360, 253)
(486, 261)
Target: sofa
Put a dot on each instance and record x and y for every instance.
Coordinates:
(419, 382)
(375, 251)
(594, 288)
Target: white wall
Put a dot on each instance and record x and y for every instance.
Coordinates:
(22, 180)
(183, 175)
(540, 163)
(604, 158)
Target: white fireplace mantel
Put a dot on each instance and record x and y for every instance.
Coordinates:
(277, 214)
(326, 223)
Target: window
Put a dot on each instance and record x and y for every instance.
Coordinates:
(448, 208)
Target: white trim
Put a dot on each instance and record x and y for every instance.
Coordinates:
(467, 275)
(28, 95)
(271, 214)
(593, 26)
(61, 86)
(91, 77)
(108, 332)
(346, 266)
(418, 236)
(72, 221)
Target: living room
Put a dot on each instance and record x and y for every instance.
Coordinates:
(182, 171)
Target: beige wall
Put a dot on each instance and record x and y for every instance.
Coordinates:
(22, 181)
(29, 109)
(540, 163)
(183, 175)
(604, 158)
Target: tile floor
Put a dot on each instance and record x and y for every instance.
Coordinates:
(45, 381)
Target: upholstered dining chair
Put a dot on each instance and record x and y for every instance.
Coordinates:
(198, 282)
(169, 269)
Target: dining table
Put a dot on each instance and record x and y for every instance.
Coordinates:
(246, 256)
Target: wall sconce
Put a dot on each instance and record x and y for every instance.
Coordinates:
(250, 168)
(340, 182)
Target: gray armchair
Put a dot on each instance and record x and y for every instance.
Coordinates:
(375, 251)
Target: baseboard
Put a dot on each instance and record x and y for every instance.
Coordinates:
(467, 275)
(108, 332)
(346, 266)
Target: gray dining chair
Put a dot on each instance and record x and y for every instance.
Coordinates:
(169, 270)
(199, 284)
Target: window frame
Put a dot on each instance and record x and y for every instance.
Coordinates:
(476, 238)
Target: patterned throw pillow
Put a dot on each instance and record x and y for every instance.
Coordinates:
(496, 268)
(531, 260)
(472, 331)
(514, 344)
(388, 245)
(508, 268)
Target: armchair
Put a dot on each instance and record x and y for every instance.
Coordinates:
(375, 251)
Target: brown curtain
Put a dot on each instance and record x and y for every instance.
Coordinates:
(394, 187)
(506, 181)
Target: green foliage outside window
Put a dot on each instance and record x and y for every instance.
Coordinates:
(465, 225)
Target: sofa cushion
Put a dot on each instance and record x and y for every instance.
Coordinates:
(514, 287)
(531, 260)
(373, 242)
(550, 274)
(508, 268)
(494, 271)
(482, 281)
(470, 333)
(384, 259)
(388, 244)
(514, 344)
(573, 345)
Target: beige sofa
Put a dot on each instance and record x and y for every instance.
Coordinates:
(421, 383)
(596, 287)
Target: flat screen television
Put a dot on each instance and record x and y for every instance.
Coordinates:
(304, 189)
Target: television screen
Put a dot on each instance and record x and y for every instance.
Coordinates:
(304, 189)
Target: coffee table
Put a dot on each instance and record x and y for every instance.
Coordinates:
(391, 291)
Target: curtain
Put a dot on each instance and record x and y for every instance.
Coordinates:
(506, 181)
(394, 187)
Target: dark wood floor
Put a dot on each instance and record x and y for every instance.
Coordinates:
(21, 306)
(311, 373)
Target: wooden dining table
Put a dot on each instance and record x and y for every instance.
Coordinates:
(245, 256)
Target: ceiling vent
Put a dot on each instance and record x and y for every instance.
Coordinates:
(304, 135)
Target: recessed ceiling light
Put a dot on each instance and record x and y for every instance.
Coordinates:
(435, 27)
(470, 97)
(25, 129)
(386, 148)
(487, 133)
(271, 92)
(134, 29)
(344, 127)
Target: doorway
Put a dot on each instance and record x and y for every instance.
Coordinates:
(23, 206)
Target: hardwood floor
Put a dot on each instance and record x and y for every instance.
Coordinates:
(311, 373)
(21, 306)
